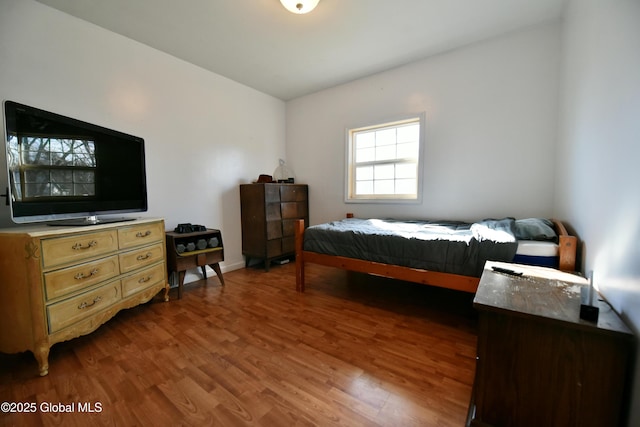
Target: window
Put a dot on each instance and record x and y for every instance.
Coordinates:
(44, 167)
(384, 161)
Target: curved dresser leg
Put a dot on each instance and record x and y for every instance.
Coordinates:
(166, 292)
(41, 354)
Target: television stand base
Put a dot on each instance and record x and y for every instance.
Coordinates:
(90, 220)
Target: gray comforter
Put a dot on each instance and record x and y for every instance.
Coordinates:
(445, 246)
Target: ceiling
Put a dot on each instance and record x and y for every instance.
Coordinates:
(260, 44)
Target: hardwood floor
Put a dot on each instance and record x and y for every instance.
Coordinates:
(353, 350)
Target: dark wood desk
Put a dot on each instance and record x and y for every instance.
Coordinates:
(187, 250)
(538, 363)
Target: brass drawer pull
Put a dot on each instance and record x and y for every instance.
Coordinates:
(144, 279)
(143, 257)
(81, 276)
(85, 304)
(145, 234)
(79, 246)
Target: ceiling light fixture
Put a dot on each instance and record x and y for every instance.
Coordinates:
(299, 6)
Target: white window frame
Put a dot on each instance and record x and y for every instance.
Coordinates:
(349, 194)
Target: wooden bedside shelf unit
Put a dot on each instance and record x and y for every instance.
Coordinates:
(269, 213)
(538, 363)
(59, 283)
(192, 250)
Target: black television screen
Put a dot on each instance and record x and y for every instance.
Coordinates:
(65, 169)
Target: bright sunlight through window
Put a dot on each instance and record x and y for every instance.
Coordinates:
(384, 161)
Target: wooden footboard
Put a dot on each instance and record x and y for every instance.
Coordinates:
(567, 254)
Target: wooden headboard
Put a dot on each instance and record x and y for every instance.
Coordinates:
(567, 246)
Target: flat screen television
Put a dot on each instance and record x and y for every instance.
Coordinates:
(69, 172)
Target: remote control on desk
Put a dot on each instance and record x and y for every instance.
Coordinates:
(507, 271)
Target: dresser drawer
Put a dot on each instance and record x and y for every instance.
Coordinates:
(138, 235)
(274, 230)
(294, 210)
(66, 313)
(274, 248)
(289, 227)
(271, 193)
(141, 257)
(293, 193)
(64, 250)
(62, 282)
(288, 244)
(142, 280)
(273, 212)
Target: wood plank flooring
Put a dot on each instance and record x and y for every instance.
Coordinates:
(353, 350)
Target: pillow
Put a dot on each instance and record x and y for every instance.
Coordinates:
(535, 229)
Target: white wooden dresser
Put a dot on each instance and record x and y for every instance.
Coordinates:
(58, 283)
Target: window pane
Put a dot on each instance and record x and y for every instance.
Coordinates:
(36, 190)
(385, 186)
(364, 173)
(386, 152)
(61, 176)
(384, 172)
(62, 189)
(56, 146)
(83, 147)
(410, 133)
(62, 145)
(87, 160)
(365, 155)
(84, 176)
(36, 158)
(406, 170)
(385, 137)
(408, 150)
(84, 189)
(34, 144)
(36, 175)
(364, 187)
(365, 140)
(13, 152)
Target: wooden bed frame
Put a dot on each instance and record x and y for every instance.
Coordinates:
(567, 254)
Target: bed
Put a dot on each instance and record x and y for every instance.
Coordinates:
(448, 254)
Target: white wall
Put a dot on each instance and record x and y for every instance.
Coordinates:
(204, 134)
(491, 121)
(598, 181)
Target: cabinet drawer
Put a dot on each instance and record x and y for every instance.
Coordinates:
(142, 257)
(273, 212)
(293, 193)
(271, 193)
(142, 280)
(274, 230)
(138, 235)
(274, 248)
(66, 313)
(289, 227)
(62, 282)
(64, 250)
(288, 245)
(293, 210)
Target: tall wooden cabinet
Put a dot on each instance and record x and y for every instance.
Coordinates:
(269, 213)
(538, 363)
(58, 283)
